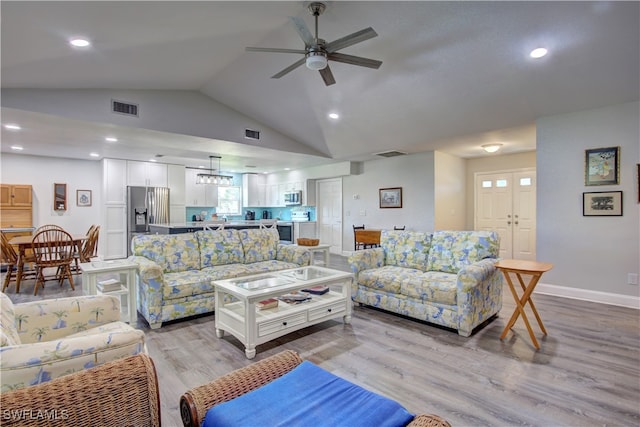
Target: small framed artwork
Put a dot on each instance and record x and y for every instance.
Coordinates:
(391, 197)
(602, 203)
(83, 198)
(602, 166)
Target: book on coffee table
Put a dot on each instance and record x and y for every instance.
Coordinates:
(268, 303)
(317, 290)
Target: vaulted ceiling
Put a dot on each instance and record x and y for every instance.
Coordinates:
(455, 75)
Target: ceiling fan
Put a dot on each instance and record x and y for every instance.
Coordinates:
(317, 52)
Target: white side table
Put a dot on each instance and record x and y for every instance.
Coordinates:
(322, 247)
(126, 272)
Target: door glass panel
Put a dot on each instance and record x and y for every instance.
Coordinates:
(487, 184)
(525, 182)
(501, 183)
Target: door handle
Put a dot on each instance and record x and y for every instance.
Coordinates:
(508, 222)
(516, 223)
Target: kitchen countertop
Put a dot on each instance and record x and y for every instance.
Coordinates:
(228, 223)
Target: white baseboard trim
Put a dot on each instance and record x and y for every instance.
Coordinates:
(630, 301)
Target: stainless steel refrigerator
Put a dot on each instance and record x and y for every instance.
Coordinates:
(145, 206)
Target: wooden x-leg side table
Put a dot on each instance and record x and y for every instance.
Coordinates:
(520, 268)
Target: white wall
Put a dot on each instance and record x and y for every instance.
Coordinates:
(414, 173)
(450, 192)
(41, 173)
(591, 255)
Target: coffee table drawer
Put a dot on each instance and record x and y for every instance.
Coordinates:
(272, 326)
(326, 311)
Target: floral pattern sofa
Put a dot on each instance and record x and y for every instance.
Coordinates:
(176, 271)
(47, 339)
(446, 277)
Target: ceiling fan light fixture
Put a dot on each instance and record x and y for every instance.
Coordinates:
(491, 148)
(316, 61)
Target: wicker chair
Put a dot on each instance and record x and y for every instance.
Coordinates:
(123, 392)
(195, 402)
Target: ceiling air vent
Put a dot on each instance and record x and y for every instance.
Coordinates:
(392, 153)
(125, 108)
(251, 134)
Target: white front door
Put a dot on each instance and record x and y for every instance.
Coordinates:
(506, 203)
(329, 213)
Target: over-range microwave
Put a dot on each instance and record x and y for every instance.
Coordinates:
(293, 198)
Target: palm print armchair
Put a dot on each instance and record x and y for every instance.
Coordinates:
(43, 340)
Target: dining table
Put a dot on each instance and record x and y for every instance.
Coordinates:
(369, 238)
(23, 243)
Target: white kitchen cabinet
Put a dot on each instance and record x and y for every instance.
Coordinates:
(113, 234)
(199, 195)
(274, 197)
(309, 193)
(146, 174)
(176, 181)
(253, 190)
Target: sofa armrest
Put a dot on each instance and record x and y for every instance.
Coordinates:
(195, 402)
(365, 260)
(294, 254)
(48, 353)
(57, 318)
(479, 293)
(148, 270)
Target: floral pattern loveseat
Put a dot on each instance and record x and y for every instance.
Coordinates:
(47, 339)
(445, 277)
(176, 271)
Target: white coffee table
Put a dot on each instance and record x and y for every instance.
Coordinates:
(252, 327)
(125, 270)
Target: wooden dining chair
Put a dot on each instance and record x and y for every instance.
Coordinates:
(47, 227)
(88, 249)
(10, 259)
(53, 249)
(357, 245)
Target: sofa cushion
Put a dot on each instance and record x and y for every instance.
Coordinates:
(267, 266)
(309, 396)
(259, 244)
(406, 248)
(219, 247)
(452, 250)
(186, 283)
(388, 278)
(172, 252)
(432, 286)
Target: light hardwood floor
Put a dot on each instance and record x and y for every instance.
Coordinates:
(587, 372)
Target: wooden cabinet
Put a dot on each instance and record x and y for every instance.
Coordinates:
(146, 174)
(15, 195)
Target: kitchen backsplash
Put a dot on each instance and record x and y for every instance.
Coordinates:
(282, 213)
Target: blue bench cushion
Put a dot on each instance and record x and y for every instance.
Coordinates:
(309, 396)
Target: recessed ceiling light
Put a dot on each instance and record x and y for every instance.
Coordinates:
(17, 148)
(79, 42)
(334, 116)
(538, 53)
(287, 169)
(491, 148)
(12, 126)
(111, 139)
(153, 160)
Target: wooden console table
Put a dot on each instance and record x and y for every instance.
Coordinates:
(520, 268)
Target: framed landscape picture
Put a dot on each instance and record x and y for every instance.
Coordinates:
(602, 203)
(602, 166)
(391, 197)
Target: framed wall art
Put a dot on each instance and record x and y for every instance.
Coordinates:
(391, 197)
(83, 198)
(602, 203)
(602, 166)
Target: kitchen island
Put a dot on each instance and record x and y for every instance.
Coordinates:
(285, 228)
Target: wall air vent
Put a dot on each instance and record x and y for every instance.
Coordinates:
(251, 134)
(392, 153)
(125, 108)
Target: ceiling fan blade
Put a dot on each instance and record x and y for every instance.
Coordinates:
(355, 60)
(327, 76)
(351, 39)
(274, 49)
(289, 68)
(302, 30)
